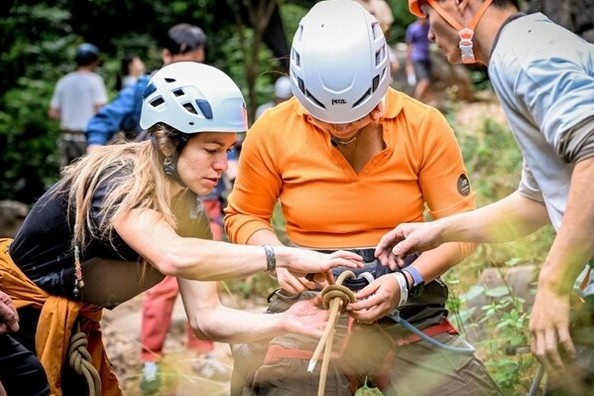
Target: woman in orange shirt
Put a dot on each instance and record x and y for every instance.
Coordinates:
(348, 158)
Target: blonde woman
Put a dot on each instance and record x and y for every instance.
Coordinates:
(125, 215)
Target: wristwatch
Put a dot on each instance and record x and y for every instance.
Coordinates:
(418, 283)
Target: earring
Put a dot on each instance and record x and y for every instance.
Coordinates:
(168, 166)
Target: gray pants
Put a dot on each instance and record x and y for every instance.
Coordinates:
(368, 352)
(71, 145)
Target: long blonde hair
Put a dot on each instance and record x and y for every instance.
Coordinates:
(136, 174)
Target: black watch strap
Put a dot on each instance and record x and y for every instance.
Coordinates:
(418, 283)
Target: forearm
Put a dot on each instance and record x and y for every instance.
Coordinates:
(434, 263)
(209, 319)
(235, 326)
(573, 246)
(193, 258)
(510, 218)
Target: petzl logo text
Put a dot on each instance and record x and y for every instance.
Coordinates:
(338, 101)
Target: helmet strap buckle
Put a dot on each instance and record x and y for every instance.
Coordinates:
(466, 46)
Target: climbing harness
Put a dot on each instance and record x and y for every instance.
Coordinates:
(337, 296)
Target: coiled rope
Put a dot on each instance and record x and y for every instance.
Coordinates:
(80, 361)
(335, 297)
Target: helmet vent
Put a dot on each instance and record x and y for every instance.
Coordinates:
(178, 92)
(375, 83)
(205, 108)
(313, 98)
(380, 56)
(169, 80)
(190, 108)
(157, 102)
(297, 58)
(376, 31)
(362, 98)
(301, 85)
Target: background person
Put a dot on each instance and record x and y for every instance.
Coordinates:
(183, 42)
(131, 218)
(338, 156)
(418, 57)
(131, 68)
(282, 92)
(544, 78)
(76, 98)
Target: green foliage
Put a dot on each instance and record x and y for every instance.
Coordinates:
(494, 164)
(501, 325)
(402, 18)
(40, 40)
(493, 160)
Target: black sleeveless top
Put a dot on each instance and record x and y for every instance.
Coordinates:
(42, 246)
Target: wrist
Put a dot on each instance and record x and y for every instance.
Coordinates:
(554, 284)
(401, 280)
(417, 282)
(270, 258)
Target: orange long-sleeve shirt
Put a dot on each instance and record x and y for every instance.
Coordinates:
(324, 202)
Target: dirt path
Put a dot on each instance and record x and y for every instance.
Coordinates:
(121, 333)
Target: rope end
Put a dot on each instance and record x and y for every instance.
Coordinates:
(312, 366)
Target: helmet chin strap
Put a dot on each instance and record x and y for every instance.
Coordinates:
(466, 33)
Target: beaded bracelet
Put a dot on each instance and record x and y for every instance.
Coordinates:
(403, 287)
(270, 258)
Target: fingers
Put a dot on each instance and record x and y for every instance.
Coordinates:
(387, 241)
(367, 311)
(352, 261)
(551, 350)
(403, 247)
(8, 317)
(566, 343)
(346, 255)
(551, 346)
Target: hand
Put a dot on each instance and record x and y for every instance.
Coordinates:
(549, 328)
(301, 262)
(293, 284)
(306, 317)
(375, 300)
(407, 238)
(9, 319)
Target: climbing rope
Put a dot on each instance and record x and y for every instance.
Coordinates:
(335, 297)
(80, 361)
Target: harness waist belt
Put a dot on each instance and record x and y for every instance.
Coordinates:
(371, 270)
(276, 353)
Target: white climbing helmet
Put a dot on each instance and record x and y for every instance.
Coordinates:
(193, 97)
(339, 62)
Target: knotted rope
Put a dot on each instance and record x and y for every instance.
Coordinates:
(335, 298)
(80, 361)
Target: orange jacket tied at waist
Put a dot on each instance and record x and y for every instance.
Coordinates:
(58, 316)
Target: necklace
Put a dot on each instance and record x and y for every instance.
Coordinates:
(336, 140)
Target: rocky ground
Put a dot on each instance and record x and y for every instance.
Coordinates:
(121, 329)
